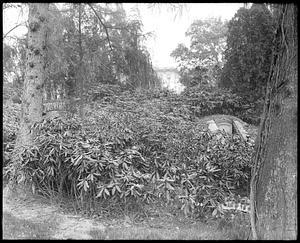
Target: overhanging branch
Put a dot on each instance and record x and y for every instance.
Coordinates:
(12, 30)
(105, 28)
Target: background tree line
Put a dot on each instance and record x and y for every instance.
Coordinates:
(233, 54)
(88, 45)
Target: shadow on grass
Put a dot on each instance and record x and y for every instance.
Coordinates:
(15, 228)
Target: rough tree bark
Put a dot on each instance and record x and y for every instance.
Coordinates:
(35, 73)
(274, 175)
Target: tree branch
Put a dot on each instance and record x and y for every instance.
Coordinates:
(12, 30)
(10, 5)
(105, 28)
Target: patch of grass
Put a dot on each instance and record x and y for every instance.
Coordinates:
(197, 231)
(169, 227)
(15, 228)
(238, 228)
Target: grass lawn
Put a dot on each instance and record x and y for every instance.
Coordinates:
(143, 233)
(161, 227)
(15, 228)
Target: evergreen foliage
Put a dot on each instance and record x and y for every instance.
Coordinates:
(248, 53)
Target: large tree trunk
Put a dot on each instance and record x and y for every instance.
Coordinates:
(274, 175)
(35, 72)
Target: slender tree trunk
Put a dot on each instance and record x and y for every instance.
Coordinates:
(35, 73)
(274, 175)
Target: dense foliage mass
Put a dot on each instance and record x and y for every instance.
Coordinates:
(248, 52)
(204, 101)
(11, 123)
(97, 43)
(133, 149)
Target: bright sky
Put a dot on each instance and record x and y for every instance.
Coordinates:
(168, 30)
(11, 18)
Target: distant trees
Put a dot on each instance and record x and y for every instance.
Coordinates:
(14, 51)
(248, 52)
(14, 56)
(96, 44)
(88, 45)
(105, 48)
(234, 55)
(203, 60)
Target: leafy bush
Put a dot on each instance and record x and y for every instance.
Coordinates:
(135, 150)
(194, 102)
(100, 91)
(11, 113)
(135, 162)
(204, 101)
(81, 162)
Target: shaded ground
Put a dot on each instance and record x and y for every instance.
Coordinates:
(30, 217)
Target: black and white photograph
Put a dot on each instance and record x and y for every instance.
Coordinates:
(149, 121)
